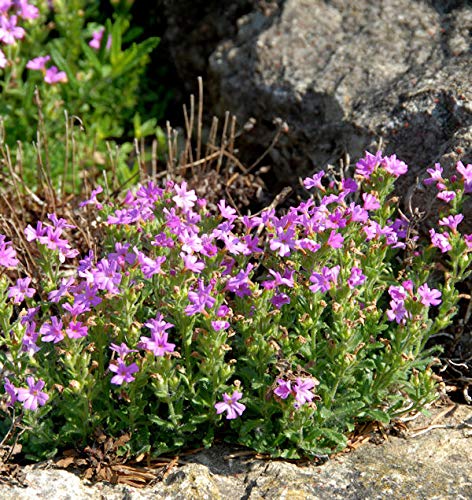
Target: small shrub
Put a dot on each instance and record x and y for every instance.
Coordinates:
(277, 332)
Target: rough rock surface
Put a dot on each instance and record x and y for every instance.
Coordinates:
(345, 74)
(431, 465)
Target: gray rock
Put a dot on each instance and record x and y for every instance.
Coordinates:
(433, 463)
(344, 75)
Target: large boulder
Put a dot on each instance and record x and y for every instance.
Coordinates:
(345, 75)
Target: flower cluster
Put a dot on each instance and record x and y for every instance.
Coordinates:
(11, 11)
(300, 390)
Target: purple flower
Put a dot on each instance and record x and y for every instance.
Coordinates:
(429, 296)
(468, 240)
(466, 172)
(93, 199)
(226, 212)
(370, 202)
(192, 263)
(32, 396)
(11, 390)
(440, 240)
(76, 330)
(9, 31)
(397, 293)
(26, 10)
(158, 343)
(366, 165)
(97, 39)
(53, 75)
(219, 325)
(397, 312)
(38, 63)
(283, 241)
(335, 240)
(284, 388)
(322, 282)
(122, 350)
(446, 196)
(356, 278)
(184, 199)
(230, 405)
(302, 390)
(52, 332)
(452, 221)
(30, 338)
(394, 166)
(435, 174)
(239, 284)
(106, 276)
(315, 181)
(279, 300)
(149, 266)
(349, 185)
(7, 253)
(123, 372)
(200, 299)
(56, 295)
(21, 290)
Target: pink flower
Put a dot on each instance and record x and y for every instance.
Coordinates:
(468, 240)
(7, 253)
(11, 390)
(52, 332)
(284, 388)
(335, 240)
(429, 296)
(446, 196)
(32, 396)
(394, 166)
(315, 181)
(230, 405)
(76, 330)
(93, 199)
(365, 166)
(21, 290)
(452, 221)
(302, 390)
(184, 199)
(440, 240)
(121, 349)
(9, 31)
(226, 212)
(123, 372)
(370, 201)
(97, 39)
(53, 75)
(38, 63)
(356, 278)
(25, 10)
(466, 172)
(219, 325)
(435, 174)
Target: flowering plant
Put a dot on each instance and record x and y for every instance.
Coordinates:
(280, 332)
(56, 58)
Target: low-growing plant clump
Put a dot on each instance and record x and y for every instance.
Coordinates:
(279, 332)
(55, 58)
